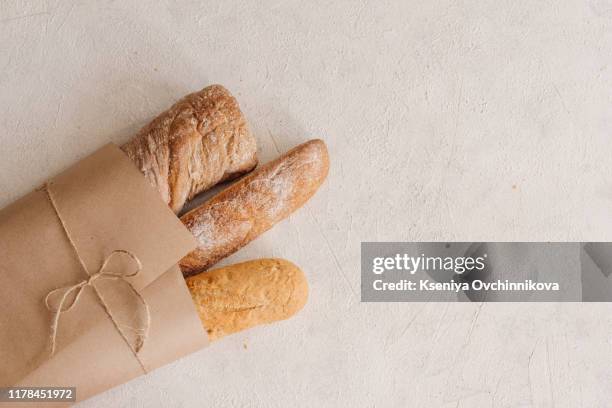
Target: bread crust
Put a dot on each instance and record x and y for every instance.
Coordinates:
(241, 296)
(254, 204)
(200, 141)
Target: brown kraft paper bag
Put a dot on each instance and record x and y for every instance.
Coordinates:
(106, 205)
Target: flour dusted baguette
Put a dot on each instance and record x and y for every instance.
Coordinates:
(200, 141)
(254, 204)
(248, 294)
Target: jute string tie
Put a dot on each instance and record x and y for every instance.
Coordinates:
(66, 305)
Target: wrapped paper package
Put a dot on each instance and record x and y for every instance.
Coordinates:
(90, 292)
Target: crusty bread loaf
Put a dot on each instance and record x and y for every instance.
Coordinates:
(254, 204)
(200, 141)
(248, 294)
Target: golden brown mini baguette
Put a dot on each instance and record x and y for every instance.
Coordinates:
(254, 204)
(247, 294)
(200, 141)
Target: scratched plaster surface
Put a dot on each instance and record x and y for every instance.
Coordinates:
(445, 120)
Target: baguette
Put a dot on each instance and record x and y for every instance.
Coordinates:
(201, 140)
(254, 204)
(241, 296)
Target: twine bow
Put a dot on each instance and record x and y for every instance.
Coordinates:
(65, 305)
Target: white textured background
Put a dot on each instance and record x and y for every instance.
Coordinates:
(445, 120)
